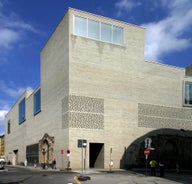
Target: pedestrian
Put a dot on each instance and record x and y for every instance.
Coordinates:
(54, 164)
(35, 164)
(161, 168)
(153, 165)
(25, 162)
(177, 168)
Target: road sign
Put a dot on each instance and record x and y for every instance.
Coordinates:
(148, 142)
(147, 151)
(81, 143)
(68, 153)
(62, 152)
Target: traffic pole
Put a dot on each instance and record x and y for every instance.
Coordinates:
(146, 162)
(146, 153)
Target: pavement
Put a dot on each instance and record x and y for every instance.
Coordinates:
(118, 176)
(133, 177)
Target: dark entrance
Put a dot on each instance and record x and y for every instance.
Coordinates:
(96, 155)
(32, 153)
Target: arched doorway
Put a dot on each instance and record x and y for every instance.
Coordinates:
(46, 151)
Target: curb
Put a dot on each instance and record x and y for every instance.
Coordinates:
(76, 179)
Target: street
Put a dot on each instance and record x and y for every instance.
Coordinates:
(30, 175)
(18, 175)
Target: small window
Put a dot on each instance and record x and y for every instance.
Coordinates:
(93, 29)
(188, 93)
(80, 26)
(118, 35)
(37, 102)
(22, 111)
(106, 32)
(9, 127)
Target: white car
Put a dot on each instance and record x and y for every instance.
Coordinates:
(2, 162)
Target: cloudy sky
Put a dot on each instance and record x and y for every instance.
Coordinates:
(25, 25)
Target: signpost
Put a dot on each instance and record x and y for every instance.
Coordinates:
(82, 143)
(146, 152)
(62, 152)
(68, 162)
(110, 161)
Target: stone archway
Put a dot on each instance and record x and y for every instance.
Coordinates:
(46, 151)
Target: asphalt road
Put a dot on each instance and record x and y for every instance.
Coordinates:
(19, 175)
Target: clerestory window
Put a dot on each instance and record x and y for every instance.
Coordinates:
(98, 30)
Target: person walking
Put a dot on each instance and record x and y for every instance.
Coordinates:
(177, 167)
(54, 164)
(153, 165)
(25, 162)
(35, 164)
(161, 168)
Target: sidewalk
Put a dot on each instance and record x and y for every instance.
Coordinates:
(133, 177)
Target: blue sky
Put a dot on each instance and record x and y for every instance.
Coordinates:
(25, 25)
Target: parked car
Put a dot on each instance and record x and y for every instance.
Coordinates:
(2, 163)
(2, 160)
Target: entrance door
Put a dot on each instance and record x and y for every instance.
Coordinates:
(96, 155)
(15, 157)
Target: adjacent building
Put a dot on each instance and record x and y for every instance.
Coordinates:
(2, 145)
(96, 86)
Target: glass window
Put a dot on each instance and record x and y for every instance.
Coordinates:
(22, 111)
(118, 35)
(106, 32)
(37, 102)
(98, 30)
(93, 29)
(9, 127)
(80, 26)
(188, 93)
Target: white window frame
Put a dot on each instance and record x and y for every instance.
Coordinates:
(112, 26)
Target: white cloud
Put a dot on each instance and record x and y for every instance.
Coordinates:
(12, 28)
(2, 116)
(160, 40)
(166, 35)
(8, 37)
(14, 92)
(125, 5)
(169, 35)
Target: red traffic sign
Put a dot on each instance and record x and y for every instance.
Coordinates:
(68, 153)
(62, 152)
(147, 151)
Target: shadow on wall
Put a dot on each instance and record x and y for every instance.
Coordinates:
(171, 146)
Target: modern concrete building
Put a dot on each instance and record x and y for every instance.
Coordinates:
(96, 86)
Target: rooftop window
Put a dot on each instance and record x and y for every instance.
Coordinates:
(98, 30)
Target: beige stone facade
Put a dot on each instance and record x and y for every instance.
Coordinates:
(97, 91)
